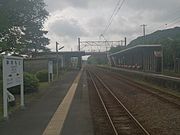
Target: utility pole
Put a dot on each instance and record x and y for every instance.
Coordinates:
(125, 41)
(57, 62)
(121, 42)
(144, 29)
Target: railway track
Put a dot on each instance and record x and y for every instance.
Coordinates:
(121, 119)
(164, 96)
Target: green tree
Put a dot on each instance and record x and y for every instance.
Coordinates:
(98, 59)
(116, 49)
(171, 49)
(21, 26)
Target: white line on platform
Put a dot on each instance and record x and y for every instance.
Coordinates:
(56, 123)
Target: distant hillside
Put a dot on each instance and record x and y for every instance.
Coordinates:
(162, 37)
(169, 39)
(158, 37)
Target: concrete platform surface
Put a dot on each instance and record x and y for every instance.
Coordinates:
(36, 116)
(79, 121)
(57, 121)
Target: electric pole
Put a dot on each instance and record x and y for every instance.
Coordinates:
(125, 41)
(144, 29)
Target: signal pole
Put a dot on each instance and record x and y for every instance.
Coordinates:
(79, 44)
(57, 62)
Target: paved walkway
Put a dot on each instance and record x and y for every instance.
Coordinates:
(35, 118)
(57, 121)
(79, 121)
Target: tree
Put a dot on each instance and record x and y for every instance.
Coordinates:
(171, 49)
(116, 49)
(21, 26)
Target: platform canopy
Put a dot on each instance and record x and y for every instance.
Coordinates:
(155, 46)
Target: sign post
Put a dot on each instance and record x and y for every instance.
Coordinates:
(50, 71)
(12, 76)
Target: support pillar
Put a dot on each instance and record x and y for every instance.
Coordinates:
(79, 44)
(79, 62)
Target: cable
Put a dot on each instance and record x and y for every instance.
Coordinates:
(115, 9)
(111, 17)
(175, 22)
(115, 12)
(167, 24)
(120, 7)
(114, 15)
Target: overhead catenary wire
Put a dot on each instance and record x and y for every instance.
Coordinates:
(111, 17)
(120, 7)
(115, 12)
(168, 24)
(174, 23)
(115, 9)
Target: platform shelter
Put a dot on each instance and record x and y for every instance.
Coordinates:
(147, 58)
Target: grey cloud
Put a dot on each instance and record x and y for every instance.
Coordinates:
(67, 28)
(94, 15)
(153, 4)
(124, 28)
(154, 10)
(53, 5)
(96, 25)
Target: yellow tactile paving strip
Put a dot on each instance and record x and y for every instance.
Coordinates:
(56, 123)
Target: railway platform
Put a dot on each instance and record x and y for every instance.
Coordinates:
(160, 76)
(62, 110)
(96, 101)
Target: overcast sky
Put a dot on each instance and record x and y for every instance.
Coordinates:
(87, 19)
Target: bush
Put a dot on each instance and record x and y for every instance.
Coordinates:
(42, 75)
(1, 69)
(1, 86)
(31, 84)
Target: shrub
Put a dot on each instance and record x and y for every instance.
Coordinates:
(1, 68)
(1, 86)
(31, 84)
(42, 75)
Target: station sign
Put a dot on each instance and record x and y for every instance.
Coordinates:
(13, 68)
(50, 71)
(158, 53)
(50, 67)
(12, 76)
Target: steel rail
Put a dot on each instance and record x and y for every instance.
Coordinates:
(104, 106)
(128, 112)
(158, 93)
